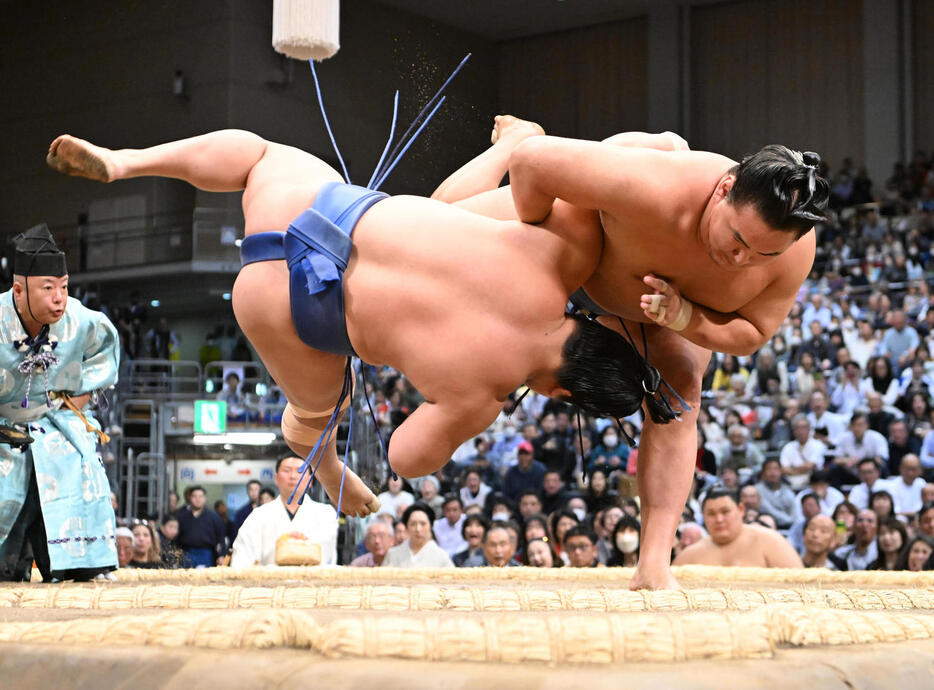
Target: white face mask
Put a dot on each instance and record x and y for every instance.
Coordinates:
(610, 441)
(627, 542)
(509, 432)
(501, 516)
(580, 513)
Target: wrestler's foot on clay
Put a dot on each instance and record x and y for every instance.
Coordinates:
(663, 579)
(514, 130)
(73, 156)
(357, 500)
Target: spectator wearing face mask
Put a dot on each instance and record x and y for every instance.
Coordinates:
(609, 454)
(625, 540)
(504, 450)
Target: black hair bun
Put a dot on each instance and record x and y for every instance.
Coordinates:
(811, 159)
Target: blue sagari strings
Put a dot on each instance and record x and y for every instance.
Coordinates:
(384, 167)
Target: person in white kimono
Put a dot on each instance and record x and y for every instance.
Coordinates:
(302, 518)
(56, 357)
(420, 550)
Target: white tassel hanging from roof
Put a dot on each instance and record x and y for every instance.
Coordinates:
(304, 29)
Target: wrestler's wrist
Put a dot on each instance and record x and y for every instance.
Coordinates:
(684, 316)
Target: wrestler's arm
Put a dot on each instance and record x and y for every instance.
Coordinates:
(427, 439)
(592, 175)
(780, 553)
(746, 330)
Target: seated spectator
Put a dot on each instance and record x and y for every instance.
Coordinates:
(625, 541)
(730, 542)
(499, 548)
(769, 376)
(890, 542)
(419, 550)
(826, 424)
(474, 491)
(927, 493)
(302, 519)
(561, 521)
(599, 496)
(729, 365)
(266, 495)
(917, 555)
(818, 542)
(844, 517)
(395, 497)
(926, 518)
(863, 550)
(739, 453)
(171, 554)
(870, 481)
(399, 533)
(578, 506)
(810, 507)
(751, 499)
(828, 497)
(526, 475)
(449, 529)
(880, 419)
(609, 454)
(553, 448)
(608, 521)
(540, 554)
(580, 544)
(906, 487)
(859, 443)
(429, 487)
(847, 395)
(689, 533)
(501, 508)
(899, 341)
(146, 553)
(124, 539)
(473, 529)
(530, 503)
(777, 499)
(253, 487)
(902, 443)
(378, 539)
(553, 495)
(801, 456)
(881, 503)
(536, 527)
(238, 409)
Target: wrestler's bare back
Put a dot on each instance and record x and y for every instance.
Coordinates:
(446, 296)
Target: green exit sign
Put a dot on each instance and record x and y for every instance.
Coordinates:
(210, 416)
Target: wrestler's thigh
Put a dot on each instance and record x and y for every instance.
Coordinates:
(282, 185)
(309, 378)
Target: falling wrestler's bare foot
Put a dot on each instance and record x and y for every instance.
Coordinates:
(510, 127)
(357, 499)
(73, 156)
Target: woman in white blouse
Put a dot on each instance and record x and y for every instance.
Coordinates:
(420, 550)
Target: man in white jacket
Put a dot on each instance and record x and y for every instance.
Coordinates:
(317, 522)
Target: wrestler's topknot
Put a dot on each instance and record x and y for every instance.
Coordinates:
(784, 186)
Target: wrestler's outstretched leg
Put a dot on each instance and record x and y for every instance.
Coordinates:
(279, 182)
(485, 172)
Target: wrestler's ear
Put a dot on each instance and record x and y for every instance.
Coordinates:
(559, 393)
(725, 185)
